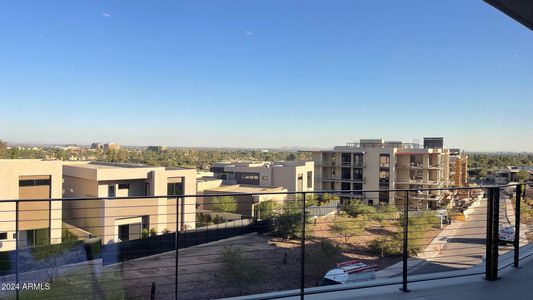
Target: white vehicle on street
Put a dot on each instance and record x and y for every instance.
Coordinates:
(349, 272)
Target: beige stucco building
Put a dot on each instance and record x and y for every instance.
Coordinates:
(375, 164)
(295, 176)
(245, 203)
(115, 219)
(39, 223)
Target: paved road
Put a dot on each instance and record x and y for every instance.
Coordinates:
(464, 249)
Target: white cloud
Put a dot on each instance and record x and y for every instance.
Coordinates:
(248, 32)
(105, 14)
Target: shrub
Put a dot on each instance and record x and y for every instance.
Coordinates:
(267, 209)
(236, 270)
(153, 232)
(355, 208)
(288, 223)
(347, 226)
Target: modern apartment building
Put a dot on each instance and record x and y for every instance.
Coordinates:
(111, 146)
(157, 148)
(458, 168)
(375, 164)
(115, 219)
(295, 176)
(39, 222)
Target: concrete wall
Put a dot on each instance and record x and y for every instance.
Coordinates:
(10, 173)
(102, 217)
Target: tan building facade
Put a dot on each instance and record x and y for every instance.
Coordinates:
(458, 168)
(114, 219)
(295, 176)
(39, 222)
(375, 164)
(244, 203)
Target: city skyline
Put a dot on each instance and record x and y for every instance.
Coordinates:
(223, 74)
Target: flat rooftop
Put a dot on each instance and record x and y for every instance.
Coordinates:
(248, 189)
(110, 165)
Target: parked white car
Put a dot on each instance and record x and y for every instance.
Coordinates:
(349, 272)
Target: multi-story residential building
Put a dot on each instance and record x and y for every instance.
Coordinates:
(157, 148)
(375, 164)
(508, 174)
(458, 168)
(97, 146)
(115, 219)
(295, 176)
(39, 222)
(111, 146)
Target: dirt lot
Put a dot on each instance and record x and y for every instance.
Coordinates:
(276, 263)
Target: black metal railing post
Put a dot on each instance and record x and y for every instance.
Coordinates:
(493, 222)
(17, 247)
(520, 191)
(302, 249)
(405, 251)
(50, 221)
(176, 247)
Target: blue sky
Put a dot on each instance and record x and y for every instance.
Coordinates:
(264, 73)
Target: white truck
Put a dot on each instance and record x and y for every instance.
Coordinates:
(349, 272)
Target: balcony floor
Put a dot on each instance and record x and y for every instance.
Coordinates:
(513, 284)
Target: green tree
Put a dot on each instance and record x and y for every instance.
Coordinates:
(3, 149)
(522, 176)
(267, 209)
(385, 214)
(224, 204)
(355, 208)
(288, 223)
(348, 226)
(386, 217)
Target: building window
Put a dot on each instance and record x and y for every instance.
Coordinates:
(309, 179)
(34, 182)
(123, 186)
(345, 186)
(358, 174)
(111, 191)
(34, 237)
(3, 235)
(384, 160)
(264, 178)
(384, 177)
(175, 188)
(247, 178)
(345, 173)
(146, 188)
(132, 231)
(346, 158)
(358, 187)
(300, 182)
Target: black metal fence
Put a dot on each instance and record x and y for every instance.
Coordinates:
(242, 244)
